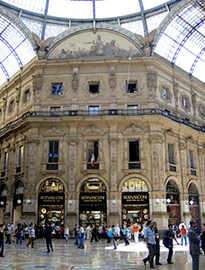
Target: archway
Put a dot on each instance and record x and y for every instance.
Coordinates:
(173, 203)
(93, 203)
(135, 202)
(194, 204)
(3, 199)
(51, 202)
(17, 202)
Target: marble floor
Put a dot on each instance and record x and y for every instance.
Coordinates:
(98, 255)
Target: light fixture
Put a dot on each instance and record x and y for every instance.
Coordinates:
(157, 201)
(168, 200)
(191, 202)
(2, 203)
(70, 202)
(19, 201)
(53, 184)
(113, 201)
(28, 201)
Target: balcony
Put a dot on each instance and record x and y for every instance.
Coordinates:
(173, 168)
(95, 167)
(52, 167)
(134, 165)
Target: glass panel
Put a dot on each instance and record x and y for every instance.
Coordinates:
(20, 159)
(154, 21)
(57, 89)
(93, 110)
(54, 30)
(34, 5)
(150, 4)
(51, 185)
(135, 27)
(34, 26)
(134, 185)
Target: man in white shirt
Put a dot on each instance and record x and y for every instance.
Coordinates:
(82, 236)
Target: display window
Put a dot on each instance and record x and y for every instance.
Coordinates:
(172, 200)
(93, 203)
(135, 202)
(194, 204)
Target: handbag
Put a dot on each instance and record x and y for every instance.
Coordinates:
(109, 234)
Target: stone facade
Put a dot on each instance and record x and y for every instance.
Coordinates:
(40, 117)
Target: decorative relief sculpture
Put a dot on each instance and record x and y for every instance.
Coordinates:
(112, 80)
(32, 153)
(72, 167)
(147, 42)
(113, 149)
(75, 82)
(194, 100)
(4, 102)
(41, 45)
(155, 164)
(37, 85)
(152, 82)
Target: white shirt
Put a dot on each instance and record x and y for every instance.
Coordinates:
(81, 230)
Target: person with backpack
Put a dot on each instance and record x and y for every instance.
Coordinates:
(169, 235)
(149, 237)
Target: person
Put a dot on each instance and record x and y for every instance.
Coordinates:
(48, 236)
(8, 234)
(19, 234)
(76, 230)
(203, 239)
(114, 237)
(88, 231)
(100, 231)
(61, 231)
(66, 234)
(182, 224)
(157, 240)
(109, 234)
(169, 236)
(183, 234)
(149, 237)
(117, 231)
(57, 230)
(135, 232)
(31, 235)
(26, 232)
(125, 233)
(194, 245)
(2, 227)
(94, 234)
(81, 236)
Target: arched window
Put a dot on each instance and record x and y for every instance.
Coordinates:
(134, 185)
(3, 191)
(93, 185)
(194, 204)
(172, 198)
(19, 188)
(52, 185)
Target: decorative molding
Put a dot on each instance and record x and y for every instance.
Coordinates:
(133, 129)
(93, 130)
(49, 89)
(93, 80)
(132, 78)
(53, 131)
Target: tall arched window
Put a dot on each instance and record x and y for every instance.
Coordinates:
(194, 203)
(173, 205)
(19, 188)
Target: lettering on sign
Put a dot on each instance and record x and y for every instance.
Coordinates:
(93, 198)
(137, 197)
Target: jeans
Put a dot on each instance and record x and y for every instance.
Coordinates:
(76, 240)
(19, 238)
(49, 244)
(183, 237)
(2, 246)
(81, 242)
(66, 237)
(195, 261)
(150, 257)
(114, 243)
(169, 258)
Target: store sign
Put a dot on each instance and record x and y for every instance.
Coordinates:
(135, 198)
(93, 198)
(53, 198)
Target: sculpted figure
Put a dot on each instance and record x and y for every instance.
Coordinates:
(147, 41)
(41, 45)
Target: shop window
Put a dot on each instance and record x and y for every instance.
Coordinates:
(93, 110)
(134, 185)
(94, 87)
(26, 96)
(51, 185)
(19, 188)
(93, 185)
(57, 89)
(167, 112)
(11, 106)
(92, 155)
(134, 155)
(53, 155)
(172, 200)
(131, 86)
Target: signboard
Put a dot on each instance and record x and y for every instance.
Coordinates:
(93, 198)
(51, 199)
(135, 198)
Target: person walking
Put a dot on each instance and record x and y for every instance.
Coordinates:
(149, 237)
(31, 235)
(183, 233)
(135, 232)
(125, 233)
(76, 230)
(8, 234)
(94, 234)
(157, 240)
(81, 236)
(88, 232)
(57, 230)
(2, 227)
(203, 239)
(66, 234)
(61, 231)
(48, 236)
(114, 237)
(194, 245)
(169, 236)
(19, 234)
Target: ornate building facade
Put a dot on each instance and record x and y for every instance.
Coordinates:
(98, 131)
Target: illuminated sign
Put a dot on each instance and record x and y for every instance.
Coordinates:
(93, 198)
(135, 198)
(53, 198)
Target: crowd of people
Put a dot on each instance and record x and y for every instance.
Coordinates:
(114, 233)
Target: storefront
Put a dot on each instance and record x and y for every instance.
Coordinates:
(194, 204)
(135, 202)
(173, 205)
(51, 202)
(17, 202)
(93, 203)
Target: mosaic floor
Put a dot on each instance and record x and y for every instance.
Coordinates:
(98, 255)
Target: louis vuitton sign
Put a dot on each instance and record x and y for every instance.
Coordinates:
(93, 198)
(135, 198)
(53, 198)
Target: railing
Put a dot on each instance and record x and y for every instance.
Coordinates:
(134, 165)
(110, 112)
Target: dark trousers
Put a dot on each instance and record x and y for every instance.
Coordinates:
(94, 236)
(195, 261)
(157, 254)
(8, 240)
(126, 240)
(49, 244)
(151, 255)
(169, 258)
(2, 247)
(31, 241)
(76, 240)
(114, 243)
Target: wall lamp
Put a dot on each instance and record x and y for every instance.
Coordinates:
(169, 200)
(28, 201)
(157, 201)
(19, 201)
